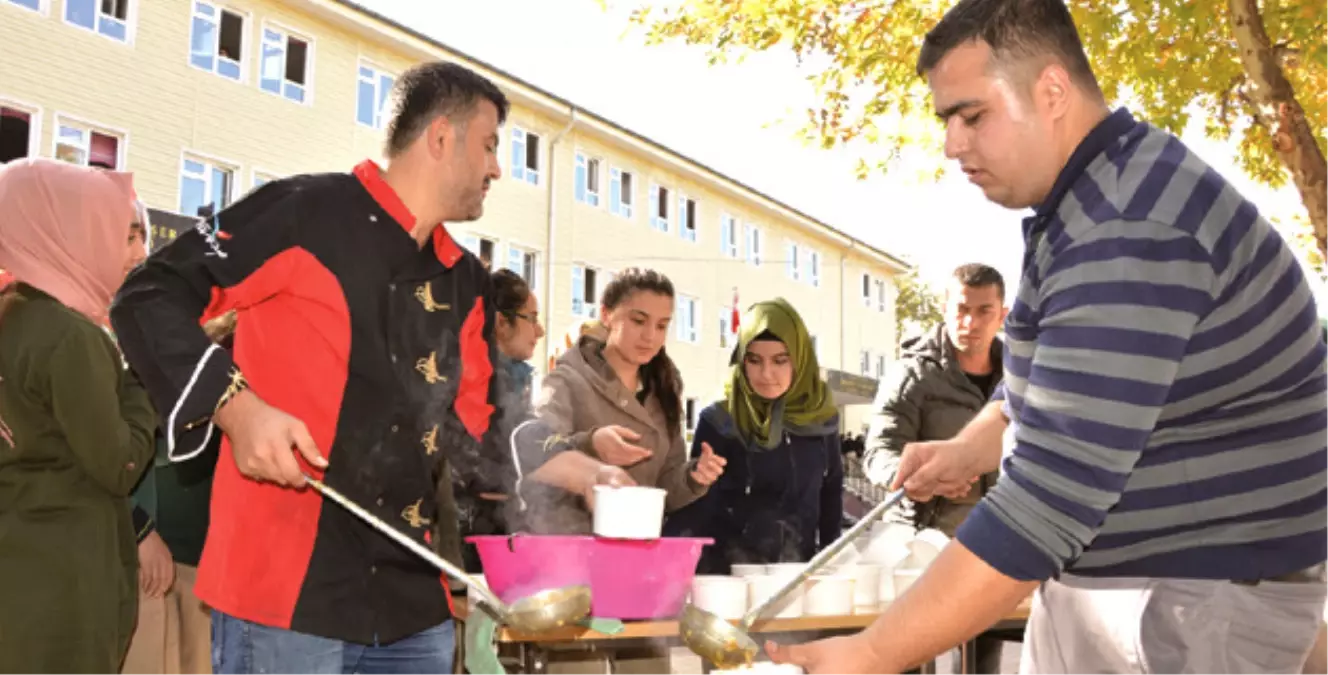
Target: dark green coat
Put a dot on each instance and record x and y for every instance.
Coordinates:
(926, 398)
(78, 435)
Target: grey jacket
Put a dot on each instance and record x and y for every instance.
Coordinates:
(581, 394)
(926, 397)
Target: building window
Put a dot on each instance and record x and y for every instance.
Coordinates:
(659, 208)
(880, 366)
(80, 144)
(692, 412)
(216, 41)
(866, 290)
(587, 179)
(285, 65)
(754, 245)
(107, 17)
(525, 156)
(880, 295)
(204, 183)
(482, 248)
(791, 261)
(34, 5)
(585, 291)
(728, 235)
(260, 179)
(687, 218)
(688, 319)
(814, 268)
(525, 263)
(17, 134)
(372, 89)
(620, 192)
(864, 366)
(726, 328)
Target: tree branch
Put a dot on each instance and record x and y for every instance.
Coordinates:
(1271, 91)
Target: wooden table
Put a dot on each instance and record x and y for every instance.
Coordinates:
(533, 649)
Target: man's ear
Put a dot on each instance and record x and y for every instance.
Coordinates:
(439, 136)
(1051, 90)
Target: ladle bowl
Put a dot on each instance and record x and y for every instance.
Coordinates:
(536, 613)
(715, 639)
(728, 646)
(549, 609)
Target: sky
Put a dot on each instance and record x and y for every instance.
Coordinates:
(729, 117)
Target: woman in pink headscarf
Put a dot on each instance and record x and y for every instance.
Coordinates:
(76, 427)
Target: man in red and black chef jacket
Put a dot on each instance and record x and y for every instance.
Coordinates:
(364, 350)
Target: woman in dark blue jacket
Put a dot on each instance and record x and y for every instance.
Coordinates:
(781, 496)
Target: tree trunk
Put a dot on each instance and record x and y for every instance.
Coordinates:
(1292, 136)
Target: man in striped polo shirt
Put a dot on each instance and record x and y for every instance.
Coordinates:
(1164, 414)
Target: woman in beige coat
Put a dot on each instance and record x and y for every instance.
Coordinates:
(618, 397)
(611, 413)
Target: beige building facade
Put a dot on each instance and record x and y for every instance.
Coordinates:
(204, 100)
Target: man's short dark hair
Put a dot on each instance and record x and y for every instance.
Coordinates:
(1016, 30)
(438, 89)
(977, 275)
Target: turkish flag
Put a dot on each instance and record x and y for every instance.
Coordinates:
(736, 314)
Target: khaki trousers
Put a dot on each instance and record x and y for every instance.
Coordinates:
(174, 632)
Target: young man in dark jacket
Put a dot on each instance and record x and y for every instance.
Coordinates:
(364, 347)
(938, 385)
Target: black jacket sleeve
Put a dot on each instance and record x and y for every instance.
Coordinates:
(238, 258)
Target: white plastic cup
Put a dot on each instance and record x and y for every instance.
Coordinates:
(764, 586)
(866, 585)
(905, 577)
(629, 512)
(722, 595)
(830, 595)
(744, 570)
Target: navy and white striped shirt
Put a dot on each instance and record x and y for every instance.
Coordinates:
(1164, 378)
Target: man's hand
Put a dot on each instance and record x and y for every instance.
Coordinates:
(844, 654)
(262, 438)
(709, 466)
(613, 445)
(945, 468)
(609, 475)
(156, 568)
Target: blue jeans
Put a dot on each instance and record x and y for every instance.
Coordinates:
(240, 646)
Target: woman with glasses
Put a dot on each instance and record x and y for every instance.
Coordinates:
(480, 507)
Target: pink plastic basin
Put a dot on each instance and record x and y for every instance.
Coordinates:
(522, 565)
(628, 579)
(643, 579)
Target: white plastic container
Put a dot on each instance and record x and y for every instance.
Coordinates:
(830, 595)
(887, 544)
(744, 570)
(925, 546)
(628, 512)
(886, 588)
(764, 586)
(866, 585)
(787, 569)
(724, 596)
(472, 598)
(904, 577)
(765, 668)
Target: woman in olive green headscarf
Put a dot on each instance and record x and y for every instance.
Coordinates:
(781, 496)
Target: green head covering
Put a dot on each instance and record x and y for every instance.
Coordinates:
(807, 407)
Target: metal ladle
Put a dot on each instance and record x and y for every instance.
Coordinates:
(728, 646)
(537, 613)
